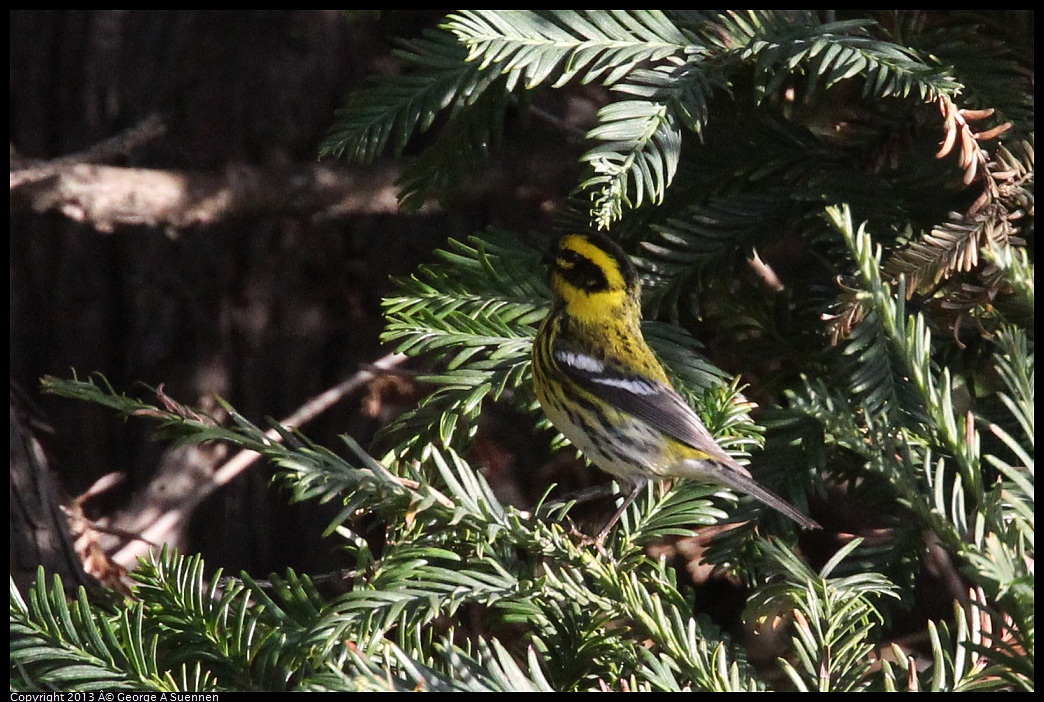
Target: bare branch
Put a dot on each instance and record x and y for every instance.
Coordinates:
(190, 475)
(107, 196)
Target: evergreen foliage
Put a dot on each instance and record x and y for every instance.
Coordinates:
(890, 155)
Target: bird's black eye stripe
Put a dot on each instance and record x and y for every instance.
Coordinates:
(581, 271)
(570, 258)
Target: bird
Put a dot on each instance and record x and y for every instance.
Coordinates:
(603, 388)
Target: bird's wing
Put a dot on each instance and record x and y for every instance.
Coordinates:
(654, 402)
(661, 407)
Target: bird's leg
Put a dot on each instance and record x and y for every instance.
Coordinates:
(600, 539)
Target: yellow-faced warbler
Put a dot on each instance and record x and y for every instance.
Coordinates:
(603, 388)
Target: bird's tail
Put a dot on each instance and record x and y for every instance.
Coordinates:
(737, 478)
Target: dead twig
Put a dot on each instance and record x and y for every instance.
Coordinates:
(25, 171)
